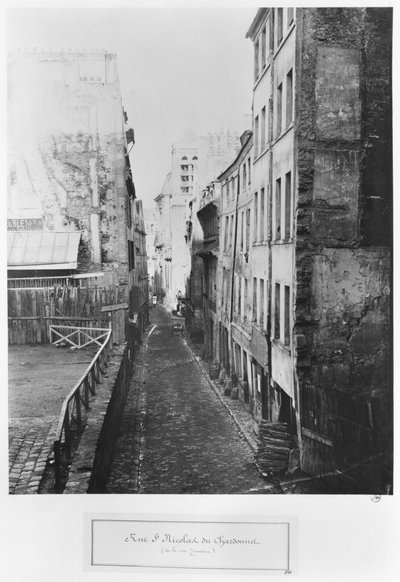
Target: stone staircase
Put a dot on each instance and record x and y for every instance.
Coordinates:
(275, 443)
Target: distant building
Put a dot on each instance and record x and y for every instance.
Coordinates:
(194, 161)
(139, 300)
(208, 216)
(150, 224)
(71, 198)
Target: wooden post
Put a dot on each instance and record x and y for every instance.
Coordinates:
(78, 408)
(67, 432)
(57, 466)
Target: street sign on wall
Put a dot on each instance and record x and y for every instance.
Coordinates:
(24, 223)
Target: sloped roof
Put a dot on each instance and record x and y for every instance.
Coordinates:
(33, 249)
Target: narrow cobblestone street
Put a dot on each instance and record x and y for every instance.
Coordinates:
(176, 436)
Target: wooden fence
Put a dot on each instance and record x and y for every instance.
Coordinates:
(31, 311)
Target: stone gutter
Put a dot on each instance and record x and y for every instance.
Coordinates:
(92, 454)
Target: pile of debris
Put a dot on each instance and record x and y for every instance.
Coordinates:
(275, 443)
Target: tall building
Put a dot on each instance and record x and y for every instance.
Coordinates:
(150, 224)
(311, 298)
(194, 162)
(71, 198)
(139, 300)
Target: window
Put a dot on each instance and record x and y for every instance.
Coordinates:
(262, 298)
(262, 129)
(288, 204)
(289, 97)
(256, 137)
(254, 298)
(290, 16)
(256, 60)
(185, 168)
(131, 255)
(227, 191)
(270, 118)
(247, 230)
(279, 25)
(255, 214)
(287, 316)
(263, 48)
(129, 209)
(277, 311)
(245, 293)
(226, 233)
(279, 110)
(244, 176)
(240, 295)
(224, 193)
(262, 214)
(249, 171)
(242, 231)
(258, 383)
(271, 34)
(224, 298)
(230, 232)
(184, 158)
(278, 209)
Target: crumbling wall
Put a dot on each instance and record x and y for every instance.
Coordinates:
(67, 145)
(342, 273)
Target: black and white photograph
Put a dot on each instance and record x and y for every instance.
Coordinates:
(199, 252)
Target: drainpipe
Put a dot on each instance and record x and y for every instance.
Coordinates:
(233, 264)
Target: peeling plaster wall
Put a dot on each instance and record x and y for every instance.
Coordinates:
(66, 145)
(342, 266)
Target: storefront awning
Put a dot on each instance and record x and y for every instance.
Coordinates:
(35, 250)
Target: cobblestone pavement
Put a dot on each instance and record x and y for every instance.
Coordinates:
(176, 434)
(39, 379)
(30, 445)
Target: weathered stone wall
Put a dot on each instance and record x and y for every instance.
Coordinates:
(342, 270)
(66, 152)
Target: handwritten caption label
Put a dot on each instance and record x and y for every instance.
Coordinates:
(194, 545)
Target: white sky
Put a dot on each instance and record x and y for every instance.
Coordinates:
(179, 68)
